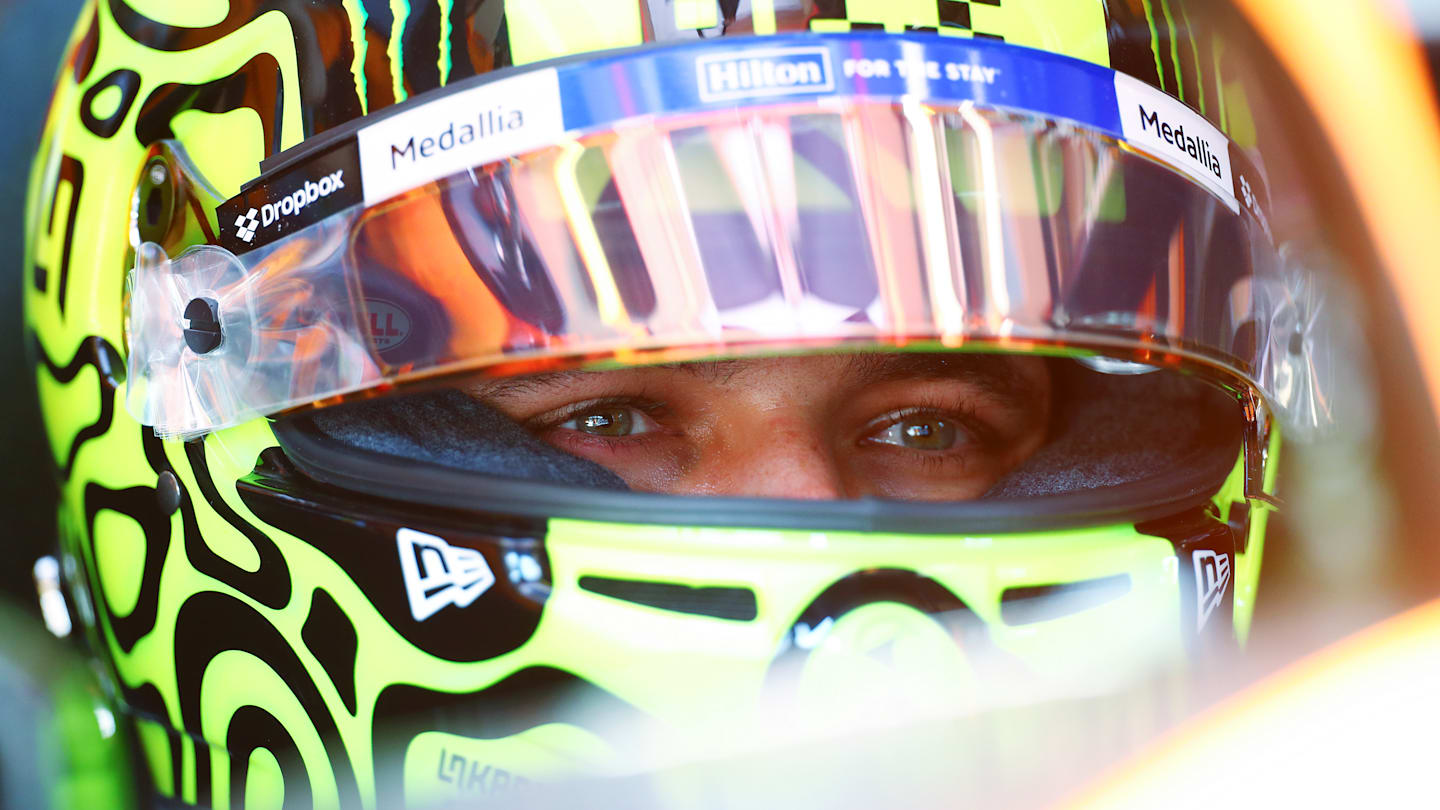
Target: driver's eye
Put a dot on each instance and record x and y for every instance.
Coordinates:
(922, 432)
(608, 421)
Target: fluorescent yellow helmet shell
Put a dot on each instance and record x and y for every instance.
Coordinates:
(271, 635)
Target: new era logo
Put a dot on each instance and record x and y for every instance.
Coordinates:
(439, 574)
(1212, 575)
(246, 224)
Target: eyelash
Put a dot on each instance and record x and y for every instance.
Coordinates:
(554, 419)
(980, 435)
(962, 413)
(980, 439)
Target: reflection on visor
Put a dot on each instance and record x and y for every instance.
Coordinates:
(729, 231)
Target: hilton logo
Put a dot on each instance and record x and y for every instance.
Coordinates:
(773, 72)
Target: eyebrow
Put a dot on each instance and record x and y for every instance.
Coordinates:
(712, 371)
(994, 374)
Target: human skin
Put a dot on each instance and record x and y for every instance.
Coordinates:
(910, 426)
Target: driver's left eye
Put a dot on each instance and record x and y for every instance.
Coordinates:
(607, 421)
(922, 432)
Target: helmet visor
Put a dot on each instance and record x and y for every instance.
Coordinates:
(840, 218)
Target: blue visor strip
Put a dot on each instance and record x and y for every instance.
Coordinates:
(516, 111)
(928, 68)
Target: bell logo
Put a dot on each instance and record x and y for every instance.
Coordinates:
(438, 574)
(389, 324)
(1212, 575)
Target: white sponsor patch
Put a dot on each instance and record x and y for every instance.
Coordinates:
(458, 132)
(1212, 574)
(439, 574)
(1176, 134)
(773, 72)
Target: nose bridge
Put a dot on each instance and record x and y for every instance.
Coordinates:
(784, 454)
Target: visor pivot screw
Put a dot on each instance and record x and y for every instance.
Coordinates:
(155, 202)
(167, 493)
(202, 334)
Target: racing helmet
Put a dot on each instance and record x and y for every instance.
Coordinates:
(285, 256)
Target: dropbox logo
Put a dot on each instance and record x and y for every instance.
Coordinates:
(293, 202)
(768, 72)
(246, 224)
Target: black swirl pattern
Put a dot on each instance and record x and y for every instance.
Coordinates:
(257, 85)
(141, 505)
(146, 701)
(211, 623)
(252, 728)
(72, 171)
(83, 57)
(270, 583)
(323, 50)
(330, 636)
(128, 82)
(109, 366)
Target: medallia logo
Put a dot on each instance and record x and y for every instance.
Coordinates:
(769, 72)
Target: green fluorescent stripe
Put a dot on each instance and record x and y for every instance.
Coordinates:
(445, 64)
(691, 15)
(1220, 85)
(189, 789)
(762, 16)
(545, 29)
(358, 17)
(399, 14)
(1194, 49)
(1174, 49)
(1155, 43)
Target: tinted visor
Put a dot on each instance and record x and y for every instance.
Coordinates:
(833, 220)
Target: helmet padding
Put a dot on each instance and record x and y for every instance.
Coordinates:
(447, 428)
(1109, 430)
(1106, 431)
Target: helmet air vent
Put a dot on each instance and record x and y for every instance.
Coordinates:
(737, 604)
